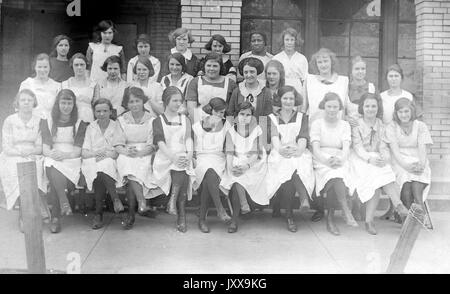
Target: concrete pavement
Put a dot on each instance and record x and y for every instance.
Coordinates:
(262, 245)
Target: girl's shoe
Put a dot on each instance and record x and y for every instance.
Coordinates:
(203, 226)
(97, 223)
(292, 227)
(370, 228)
(128, 222)
(55, 225)
(65, 209)
(181, 224)
(233, 227)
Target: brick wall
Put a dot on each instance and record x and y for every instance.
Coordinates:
(208, 17)
(433, 63)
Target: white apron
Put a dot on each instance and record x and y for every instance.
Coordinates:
(209, 149)
(253, 179)
(175, 141)
(137, 169)
(205, 94)
(281, 169)
(64, 140)
(114, 94)
(98, 58)
(84, 96)
(45, 95)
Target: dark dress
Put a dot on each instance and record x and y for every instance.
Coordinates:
(60, 70)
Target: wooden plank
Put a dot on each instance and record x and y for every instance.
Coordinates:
(31, 215)
(389, 10)
(408, 236)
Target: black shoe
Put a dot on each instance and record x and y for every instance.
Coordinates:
(233, 227)
(128, 222)
(148, 213)
(317, 216)
(181, 224)
(203, 226)
(97, 223)
(292, 227)
(55, 225)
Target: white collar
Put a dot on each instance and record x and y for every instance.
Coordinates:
(187, 54)
(255, 92)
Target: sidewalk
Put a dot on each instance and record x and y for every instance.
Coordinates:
(262, 245)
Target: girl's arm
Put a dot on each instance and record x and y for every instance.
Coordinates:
(358, 145)
(188, 139)
(322, 157)
(345, 150)
(7, 140)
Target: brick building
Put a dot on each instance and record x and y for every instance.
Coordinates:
(413, 33)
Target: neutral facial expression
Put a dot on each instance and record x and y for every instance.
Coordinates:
(135, 104)
(288, 100)
(66, 106)
(63, 48)
(143, 49)
(79, 67)
(107, 36)
(175, 102)
(370, 108)
(257, 43)
(113, 70)
(142, 71)
(182, 42)
(394, 79)
(245, 116)
(25, 102)
(102, 111)
(359, 71)
(216, 47)
(273, 76)
(332, 108)
(289, 42)
(324, 64)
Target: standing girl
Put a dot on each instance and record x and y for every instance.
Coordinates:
(275, 79)
(172, 166)
(181, 38)
(59, 62)
(135, 148)
(103, 48)
(99, 165)
(219, 45)
(62, 136)
(143, 48)
(83, 87)
(209, 138)
(42, 86)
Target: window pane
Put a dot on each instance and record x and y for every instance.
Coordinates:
(407, 40)
(288, 8)
(409, 69)
(250, 25)
(407, 10)
(256, 7)
(356, 9)
(343, 68)
(278, 27)
(365, 39)
(335, 36)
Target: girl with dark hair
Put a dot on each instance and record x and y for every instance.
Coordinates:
(62, 137)
(203, 88)
(59, 61)
(331, 140)
(177, 76)
(99, 165)
(219, 45)
(289, 162)
(42, 86)
(209, 139)
(143, 48)
(409, 140)
(84, 88)
(21, 142)
(370, 160)
(394, 77)
(246, 163)
(172, 167)
(135, 147)
(113, 86)
(258, 42)
(143, 70)
(103, 48)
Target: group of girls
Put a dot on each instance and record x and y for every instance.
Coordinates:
(289, 133)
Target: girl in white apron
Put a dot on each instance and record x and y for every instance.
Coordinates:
(204, 88)
(172, 167)
(209, 138)
(408, 140)
(84, 88)
(113, 86)
(21, 142)
(98, 52)
(289, 160)
(135, 148)
(370, 161)
(331, 140)
(246, 163)
(99, 165)
(63, 136)
(42, 86)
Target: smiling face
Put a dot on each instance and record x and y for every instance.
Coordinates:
(135, 104)
(175, 67)
(331, 109)
(113, 70)
(257, 43)
(324, 64)
(181, 43)
(42, 69)
(219, 114)
(79, 67)
(245, 117)
(288, 101)
(216, 47)
(359, 71)
(63, 48)
(25, 103)
(404, 114)
(142, 72)
(250, 74)
(212, 69)
(143, 49)
(102, 112)
(107, 36)
(273, 76)
(289, 42)
(175, 102)
(66, 106)
(370, 108)
(394, 79)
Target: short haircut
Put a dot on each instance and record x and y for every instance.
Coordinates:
(395, 67)
(367, 96)
(244, 106)
(110, 60)
(147, 63)
(323, 52)
(55, 43)
(216, 104)
(26, 92)
(142, 38)
(221, 40)
(180, 58)
(39, 57)
(287, 89)
(77, 56)
(280, 68)
(168, 93)
(293, 32)
(102, 101)
(263, 35)
(136, 92)
(402, 103)
(213, 56)
(331, 96)
(178, 32)
(253, 62)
